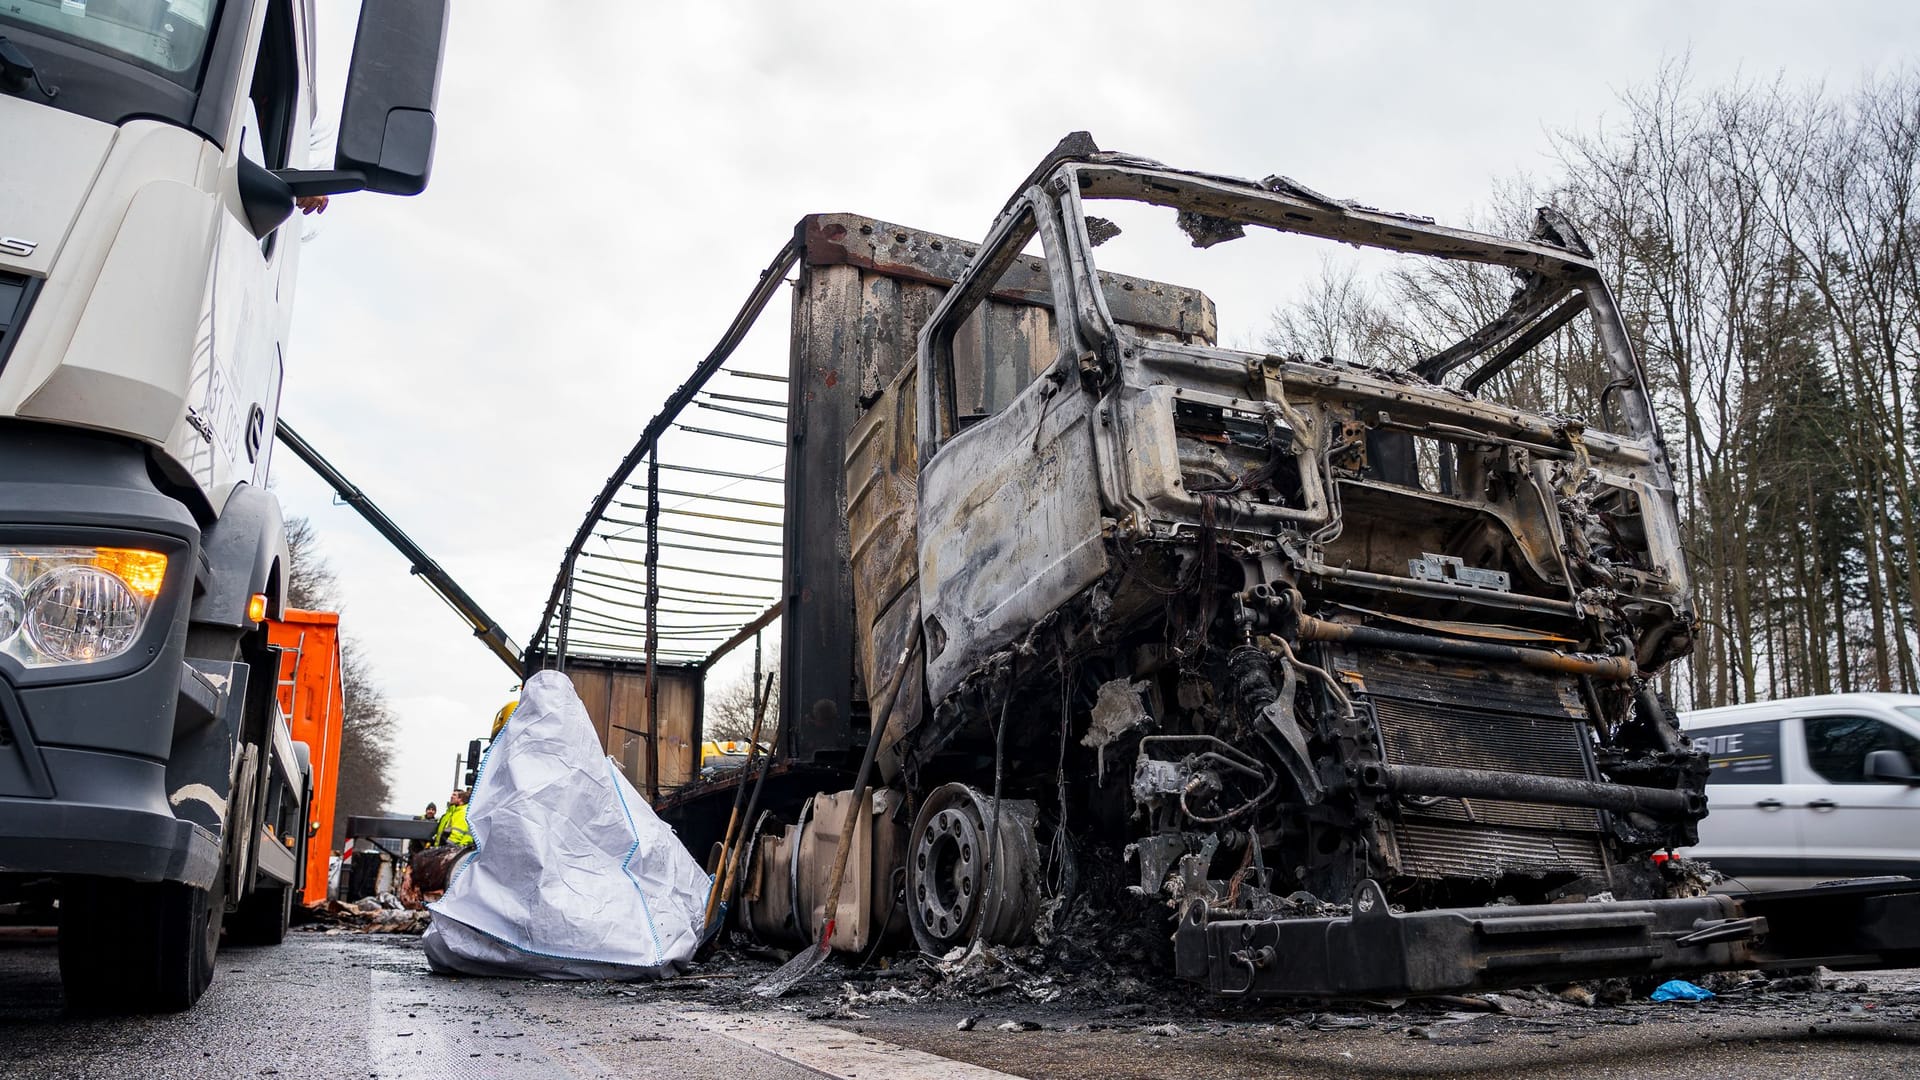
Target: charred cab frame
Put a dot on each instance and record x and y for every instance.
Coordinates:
(1361, 632)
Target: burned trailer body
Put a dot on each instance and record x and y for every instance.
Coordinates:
(1311, 624)
(745, 462)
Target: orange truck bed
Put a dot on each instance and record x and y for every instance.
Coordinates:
(313, 698)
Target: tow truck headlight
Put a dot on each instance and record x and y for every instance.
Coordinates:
(13, 608)
(75, 605)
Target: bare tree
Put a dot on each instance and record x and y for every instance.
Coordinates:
(366, 741)
(311, 581)
(367, 723)
(730, 709)
(1763, 243)
(1337, 316)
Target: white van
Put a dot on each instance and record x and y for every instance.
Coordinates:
(1811, 789)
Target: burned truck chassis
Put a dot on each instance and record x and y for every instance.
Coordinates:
(1327, 805)
(1377, 950)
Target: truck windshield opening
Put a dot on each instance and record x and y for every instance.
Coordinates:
(1504, 332)
(167, 37)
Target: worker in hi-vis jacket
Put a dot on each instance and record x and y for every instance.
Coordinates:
(453, 824)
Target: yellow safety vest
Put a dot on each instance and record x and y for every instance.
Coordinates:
(453, 828)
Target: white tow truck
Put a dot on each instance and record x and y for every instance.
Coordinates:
(151, 154)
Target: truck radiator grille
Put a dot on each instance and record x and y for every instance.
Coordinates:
(1418, 733)
(1432, 713)
(1434, 850)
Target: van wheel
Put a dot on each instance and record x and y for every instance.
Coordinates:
(136, 946)
(263, 917)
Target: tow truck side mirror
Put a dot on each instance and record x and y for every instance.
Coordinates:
(265, 196)
(386, 121)
(1891, 766)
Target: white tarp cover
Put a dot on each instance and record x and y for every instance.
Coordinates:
(573, 876)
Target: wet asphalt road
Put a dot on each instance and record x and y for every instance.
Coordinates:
(356, 1005)
(351, 1005)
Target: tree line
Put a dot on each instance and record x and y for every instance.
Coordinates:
(367, 722)
(1762, 242)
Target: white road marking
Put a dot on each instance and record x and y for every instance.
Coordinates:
(833, 1052)
(428, 1032)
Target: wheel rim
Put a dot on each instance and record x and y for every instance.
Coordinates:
(947, 861)
(960, 886)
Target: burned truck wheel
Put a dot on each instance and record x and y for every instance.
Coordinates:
(961, 886)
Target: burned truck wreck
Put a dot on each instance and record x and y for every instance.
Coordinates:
(1341, 672)
(1274, 627)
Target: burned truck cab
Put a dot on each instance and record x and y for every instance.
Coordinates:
(1276, 631)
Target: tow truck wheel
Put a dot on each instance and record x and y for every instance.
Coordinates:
(137, 947)
(263, 917)
(960, 887)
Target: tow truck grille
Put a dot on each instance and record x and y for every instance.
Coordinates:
(15, 292)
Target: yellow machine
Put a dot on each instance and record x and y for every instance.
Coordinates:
(725, 752)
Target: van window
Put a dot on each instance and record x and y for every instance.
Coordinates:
(1741, 753)
(1837, 746)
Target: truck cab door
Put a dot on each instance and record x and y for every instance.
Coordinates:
(1009, 515)
(233, 397)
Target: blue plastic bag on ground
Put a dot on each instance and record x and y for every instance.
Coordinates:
(1680, 990)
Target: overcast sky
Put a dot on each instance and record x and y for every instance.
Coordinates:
(611, 176)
